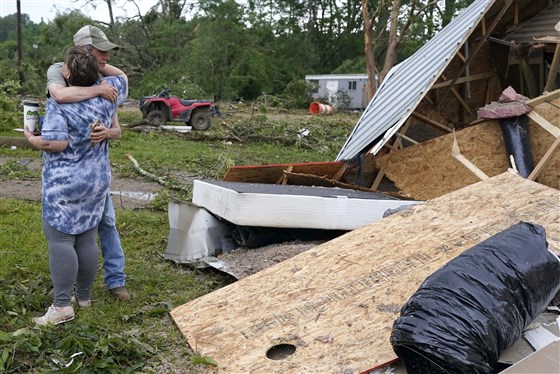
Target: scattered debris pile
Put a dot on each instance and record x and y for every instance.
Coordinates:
(352, 288)
(469, 171)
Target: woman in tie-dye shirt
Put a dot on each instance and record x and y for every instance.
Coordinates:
(76, 178)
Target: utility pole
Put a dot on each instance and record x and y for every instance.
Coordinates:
(20, 43)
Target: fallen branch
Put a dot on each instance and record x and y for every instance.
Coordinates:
(154, 177)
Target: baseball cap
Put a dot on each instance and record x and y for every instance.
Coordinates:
(91, 35)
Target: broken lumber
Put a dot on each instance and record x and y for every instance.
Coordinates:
(456, 153)
(427, 170)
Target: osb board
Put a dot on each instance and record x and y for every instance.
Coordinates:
(428, 170)
(272, 173)
(336, 303)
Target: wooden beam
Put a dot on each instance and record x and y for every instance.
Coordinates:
(284, 178)
(544, 160)
(456, 153)
(430, 121)
(482, 41)
(458, 95)
(470, 78)
(553, 68)
(397, 144)
(490, 89)
(548, 39)
(340, 172)
(407, 138)
(543, 122)
(544, 98)
(378, 179)
(528, 77)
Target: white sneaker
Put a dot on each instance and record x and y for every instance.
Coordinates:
(54, 316)
(81, 303)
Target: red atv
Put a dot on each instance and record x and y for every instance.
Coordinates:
(162, 108)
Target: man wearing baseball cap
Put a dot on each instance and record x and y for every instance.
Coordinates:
(91, 35)
(97, 43)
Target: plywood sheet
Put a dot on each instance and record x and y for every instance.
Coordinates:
(427, 170)
(336, 303)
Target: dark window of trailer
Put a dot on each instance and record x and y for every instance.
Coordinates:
(314, 85)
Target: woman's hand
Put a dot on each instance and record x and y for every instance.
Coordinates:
(28, 134)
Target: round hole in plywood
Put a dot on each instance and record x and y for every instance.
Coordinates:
(280, 351)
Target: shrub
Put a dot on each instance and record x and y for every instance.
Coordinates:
(298, 94)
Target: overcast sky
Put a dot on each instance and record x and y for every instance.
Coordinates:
(48, 9)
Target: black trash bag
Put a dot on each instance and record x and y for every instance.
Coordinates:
(469, 311)
(515, 131)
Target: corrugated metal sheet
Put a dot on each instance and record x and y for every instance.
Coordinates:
(408, 82)
(540, 26)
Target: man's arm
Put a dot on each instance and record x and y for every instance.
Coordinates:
(111, 70)
(62, 93)
(73, 94)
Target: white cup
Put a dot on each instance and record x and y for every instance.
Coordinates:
(30, 115)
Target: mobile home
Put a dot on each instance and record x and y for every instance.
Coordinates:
(327, 86)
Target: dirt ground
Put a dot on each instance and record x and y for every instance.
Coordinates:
(127, 193)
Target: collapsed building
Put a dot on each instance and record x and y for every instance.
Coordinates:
(333, 308)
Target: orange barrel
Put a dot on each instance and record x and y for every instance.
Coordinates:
(318, 108)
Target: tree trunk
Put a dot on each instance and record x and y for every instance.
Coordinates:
(393, 42)
(20, 43)
(369, 45)
(111, 17)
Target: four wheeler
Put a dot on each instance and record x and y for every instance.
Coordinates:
(162, 108)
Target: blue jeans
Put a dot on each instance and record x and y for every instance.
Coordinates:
(111, 249)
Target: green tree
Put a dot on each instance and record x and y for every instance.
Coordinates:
(417, 18)
(223, 56)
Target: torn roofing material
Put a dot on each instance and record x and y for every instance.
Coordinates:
(542, 25)
(408, 82)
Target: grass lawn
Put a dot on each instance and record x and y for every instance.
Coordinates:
(113, 336)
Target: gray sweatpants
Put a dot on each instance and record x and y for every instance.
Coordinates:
(73, 261)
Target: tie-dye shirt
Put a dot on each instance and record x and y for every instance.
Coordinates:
(76, 180)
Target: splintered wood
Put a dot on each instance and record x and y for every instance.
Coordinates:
(272, 173)
(336, 303)
(428, 170)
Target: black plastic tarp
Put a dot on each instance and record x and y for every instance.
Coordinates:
(465, 314)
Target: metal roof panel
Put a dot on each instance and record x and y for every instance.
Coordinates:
(408, 82)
